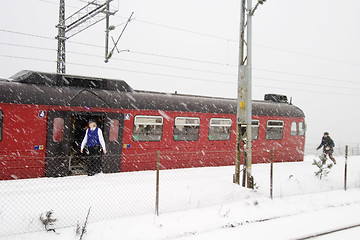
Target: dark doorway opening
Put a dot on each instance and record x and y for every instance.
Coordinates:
(79, 125)
(66, 130)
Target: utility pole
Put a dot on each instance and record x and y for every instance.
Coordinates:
(107, 26)
(239, 111)
(244, 94)
(61, 39)
(84, 18)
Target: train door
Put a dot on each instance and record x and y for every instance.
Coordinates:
(65, 134)
(113, 135)
(58, 148)
(79, 124)
(112, 126)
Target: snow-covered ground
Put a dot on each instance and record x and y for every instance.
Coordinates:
(193, 202)
(254, 218)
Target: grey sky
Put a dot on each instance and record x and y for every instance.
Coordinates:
(307, 50)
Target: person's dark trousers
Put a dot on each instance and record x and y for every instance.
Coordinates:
(330, 152)
(94, 160)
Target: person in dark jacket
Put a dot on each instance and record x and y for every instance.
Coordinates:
(328, 146)
(94, 141)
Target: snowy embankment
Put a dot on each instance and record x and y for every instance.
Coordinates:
(254, 218)
(125, 195)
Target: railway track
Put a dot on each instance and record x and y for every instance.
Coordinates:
(324, 233)
(321, 223)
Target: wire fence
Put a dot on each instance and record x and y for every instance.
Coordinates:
(353, 149)
(306, 177)
(23, 202)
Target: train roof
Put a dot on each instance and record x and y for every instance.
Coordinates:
(28, 87)
(64, 80)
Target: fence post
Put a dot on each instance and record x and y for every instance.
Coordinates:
(157, 182)
(244, 170)
(345, 174)
(271, 172)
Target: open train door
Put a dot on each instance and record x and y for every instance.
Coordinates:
(113, 136)
(57, 147)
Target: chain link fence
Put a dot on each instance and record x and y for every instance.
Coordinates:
(353, 149)
(23, 202)
(308, 176)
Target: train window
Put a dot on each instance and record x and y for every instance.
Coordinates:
(148, 128)
(186, 129)
(114, 130)
(219, 129)
(274, 130)
(58, 129)
(294, 129)
(254, 129)
(1, 124)
(302, 128)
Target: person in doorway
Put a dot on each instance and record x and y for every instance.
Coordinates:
(328, 146)
(94, 141)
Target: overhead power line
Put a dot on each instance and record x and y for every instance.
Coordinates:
(306, 75)
(26, 34)
(182, 68)
(187, 59)
(220, 37)
(236, 41)
(176, 58)
(308, 84)
(125, 60)
(307, 55)
(57, 3)
(183, 58)
(118, 69)
(186, 30)
(177, 76)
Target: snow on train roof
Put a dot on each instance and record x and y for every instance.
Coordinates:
(64, 80)
(44, 89)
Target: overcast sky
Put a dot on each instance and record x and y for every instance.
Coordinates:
(308, 50)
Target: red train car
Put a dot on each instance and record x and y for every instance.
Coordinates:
(43, 118)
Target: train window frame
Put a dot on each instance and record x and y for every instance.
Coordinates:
(302, 130)
(254, 129)
(228, 125)
(274, 127)
(58, 129)
(197, 127)
(136, 137)
(114, 130)
(1, 124)
(296, 131)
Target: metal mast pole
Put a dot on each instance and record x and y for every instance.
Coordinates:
(244, 103)
(82, 19)
(107, 12)
(241, 62)
(61, 39)
(248, 102)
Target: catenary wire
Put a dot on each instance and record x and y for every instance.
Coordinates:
(183, 68)
(236, 41)
(179, 77)
(118, 69)
(186, 59)
(57, 3)
(176, 67)
(117, 59)
(219, 37)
